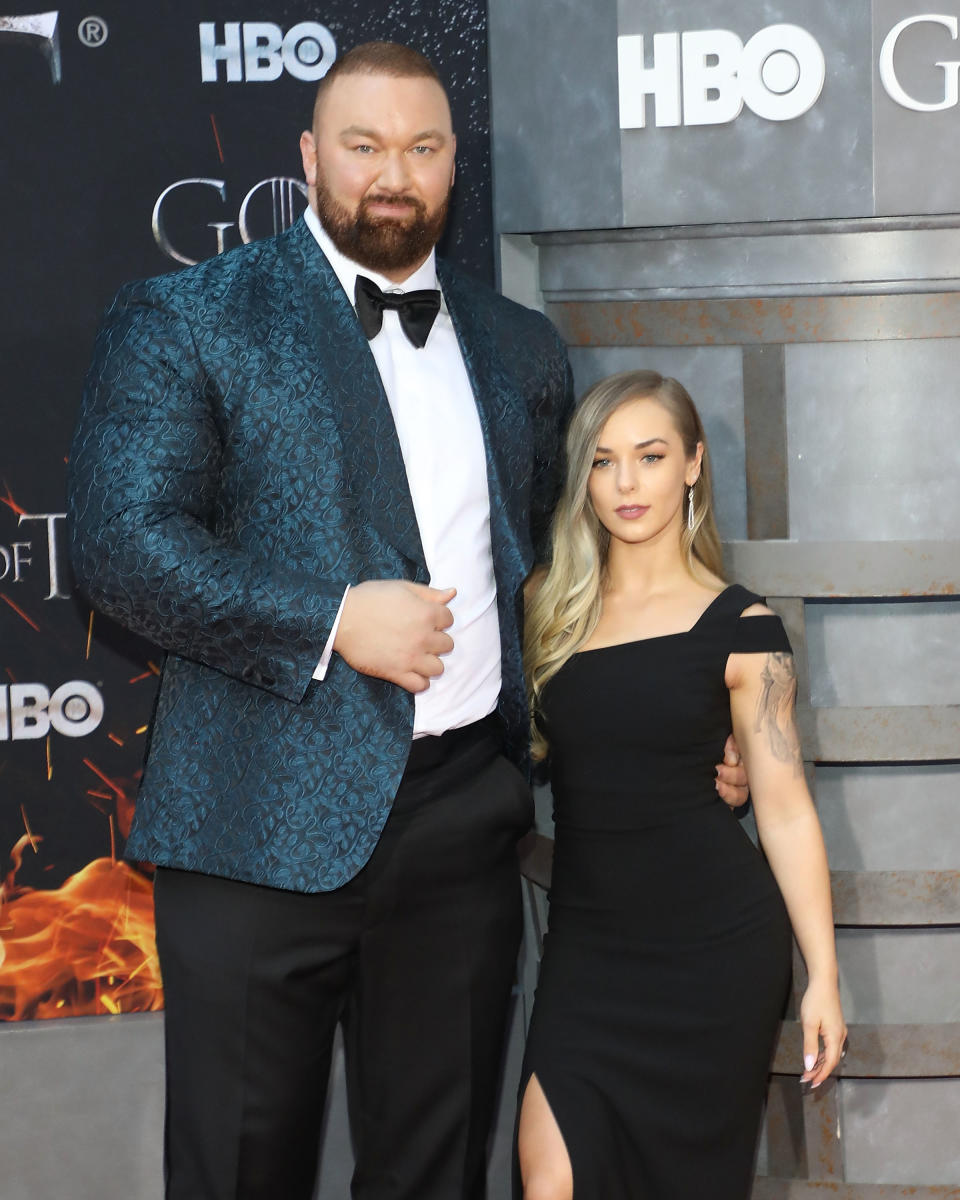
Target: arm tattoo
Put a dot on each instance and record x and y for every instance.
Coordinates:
(775, 710)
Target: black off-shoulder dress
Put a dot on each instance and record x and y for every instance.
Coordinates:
(667, 962)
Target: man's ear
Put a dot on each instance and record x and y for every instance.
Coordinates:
(308, 152)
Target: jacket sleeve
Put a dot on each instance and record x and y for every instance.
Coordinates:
(143, 489)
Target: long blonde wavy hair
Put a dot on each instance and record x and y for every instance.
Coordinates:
(566, 607)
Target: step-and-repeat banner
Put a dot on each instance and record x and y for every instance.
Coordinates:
(134, 138)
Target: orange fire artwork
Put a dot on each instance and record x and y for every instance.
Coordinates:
(85, 948)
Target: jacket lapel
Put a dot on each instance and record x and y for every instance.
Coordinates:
(505, 424)
(347, 371)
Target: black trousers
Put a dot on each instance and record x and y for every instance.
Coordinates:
(416, 956)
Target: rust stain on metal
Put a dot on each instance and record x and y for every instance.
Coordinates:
(774, 1188)
(822, 1123)
(754, 320)
(884, 1051)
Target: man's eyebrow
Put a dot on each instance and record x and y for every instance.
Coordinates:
(424, 136)
(358, 131)
(638, 446)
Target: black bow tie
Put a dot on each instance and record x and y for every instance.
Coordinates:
(417, 310)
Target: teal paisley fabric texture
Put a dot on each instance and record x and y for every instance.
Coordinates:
(235, 466)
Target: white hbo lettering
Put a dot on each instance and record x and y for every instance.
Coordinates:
(951, 70)
(28, 710)
(705, 77)
(259, 51)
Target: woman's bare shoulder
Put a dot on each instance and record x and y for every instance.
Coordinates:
(758, 610)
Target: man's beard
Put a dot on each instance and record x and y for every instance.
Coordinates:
(383, 244)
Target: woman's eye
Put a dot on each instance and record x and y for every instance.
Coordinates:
(652, 458)
(601, 462)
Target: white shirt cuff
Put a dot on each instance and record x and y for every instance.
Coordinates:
(321, 667)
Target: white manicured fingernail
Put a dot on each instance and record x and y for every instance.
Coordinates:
(808, 1061)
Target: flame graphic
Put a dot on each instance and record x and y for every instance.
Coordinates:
(82, 949)
(86, 947)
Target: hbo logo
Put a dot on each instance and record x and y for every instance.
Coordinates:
(706, 77)
(27, 710)
(259, 51)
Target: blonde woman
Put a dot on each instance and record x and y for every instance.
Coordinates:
(667, 962)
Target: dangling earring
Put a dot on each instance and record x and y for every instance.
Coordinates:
(690, 521)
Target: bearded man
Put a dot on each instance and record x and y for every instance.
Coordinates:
(317, 479)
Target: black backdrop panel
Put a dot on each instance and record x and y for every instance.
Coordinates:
(119, 160)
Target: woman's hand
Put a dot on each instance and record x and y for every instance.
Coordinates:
(821, 1019)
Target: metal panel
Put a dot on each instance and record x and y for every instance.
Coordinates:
(821, 1129)
(792, 1189)
(890, 818)
(765, 433)
(867, 654)
(874, 437)
(553, 103)
(757, 321)
(893, 976)
(914, 734)
(896, 897)
(915, 160)
(821, 570)
(722, 266)
(901, 1131)
(883, 1051)
(751, 167)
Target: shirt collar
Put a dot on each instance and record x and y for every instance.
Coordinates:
(425, 276)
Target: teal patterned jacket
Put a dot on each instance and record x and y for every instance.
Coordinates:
(236, 465)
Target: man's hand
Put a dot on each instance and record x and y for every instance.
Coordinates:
(732, 781)
(394, 630)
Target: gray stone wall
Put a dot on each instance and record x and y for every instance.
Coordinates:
(802, 279)
(876, 140)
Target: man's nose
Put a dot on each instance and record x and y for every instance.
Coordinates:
(394, 177)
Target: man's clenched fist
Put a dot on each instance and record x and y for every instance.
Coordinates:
(395, 630)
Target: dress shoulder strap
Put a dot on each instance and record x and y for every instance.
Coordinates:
(763, 634)
(732, 601)
(745, 635)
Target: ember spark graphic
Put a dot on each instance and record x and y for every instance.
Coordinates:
(76, 922)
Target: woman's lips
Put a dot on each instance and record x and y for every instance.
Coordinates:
(632, 512)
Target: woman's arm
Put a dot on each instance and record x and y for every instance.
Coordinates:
(762, 703)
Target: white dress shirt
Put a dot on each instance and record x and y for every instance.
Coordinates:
(441, 440)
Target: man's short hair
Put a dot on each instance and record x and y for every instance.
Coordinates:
(378, 58)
